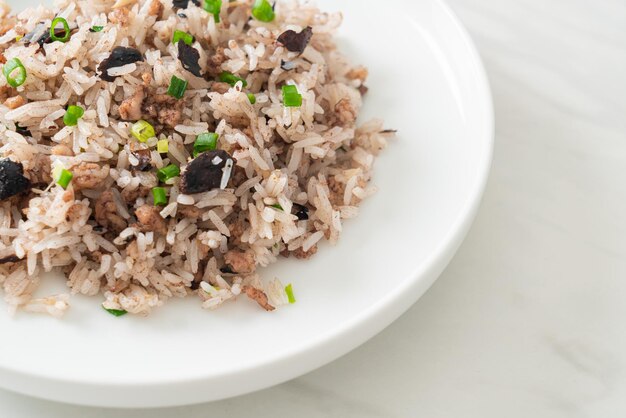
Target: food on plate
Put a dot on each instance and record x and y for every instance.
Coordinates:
(153, 149)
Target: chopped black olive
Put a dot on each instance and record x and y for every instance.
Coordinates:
(120, 56)
(9, 259)
(183, 4)
(189, 57)
(294, 41)
(204, 172)
(41, 34)
(12, 180)
(22, 130)
(145, 159)
(302, 212)
(227, 269)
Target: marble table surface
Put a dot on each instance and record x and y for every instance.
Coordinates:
(529, 319)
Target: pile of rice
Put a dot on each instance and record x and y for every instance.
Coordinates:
(311, 159)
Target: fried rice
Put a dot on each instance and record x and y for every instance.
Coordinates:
(202, 141)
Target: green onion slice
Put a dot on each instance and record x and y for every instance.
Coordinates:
(277, 206)
(262, 10)
(232, 79)
(213, 7)
(168, 172)
(72, 114)
(177, 87)
(179, 35)
(15, 72)
(66, 28)
(291, 97)
(252, 98)
(142, 130)
(61, 176)
(160, 196)
(289, 292)
(205, 142)
(115, 312)
(96, 29)
(163, 146)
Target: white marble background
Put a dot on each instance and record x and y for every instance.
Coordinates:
(529, 320)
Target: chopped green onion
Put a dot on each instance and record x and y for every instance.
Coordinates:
(61, 176)
(159, 195)
(252, 98)
(10, 67)
(179, 35)
(291, 97)
(163, 146)
(96, 29)
(262, 10)
(213, 7)
(205, 142)
(277, 206)
(168, 172)
(142, 130)
(289, 292)
(177, 87)
(72, 114)
(231, 79)
(115, 312)
(66, 28)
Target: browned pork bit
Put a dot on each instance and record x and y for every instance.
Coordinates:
(208, 171)
(258, 296)
(89, 175)
(294, 41)
(106, 213)
(12, 180)
(120, 56)
(164, 108)
(150, 219)
(156, 8)
(130, 109)
(240, 262)
(14, 102)
(190, 58)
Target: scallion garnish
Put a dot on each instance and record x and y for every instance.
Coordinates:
(66, 30)
(213, 7)
(262, 10)
(252, 98)
(163, 146)
(289, 291)
(168, 172)
(115, 312)
(291, 97)
(205, 142)
(15, 72)
(61, 176)
(160, 196)
(179, 35)
(232, 79)
(277, 206)
(142, 130)
(96, 29)
(72, 114)
(177, 87)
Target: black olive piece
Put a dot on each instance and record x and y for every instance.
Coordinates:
(195, 285)
(145, 159)
(189, 57)
(120, 56)
(9, 259)
(22, 130)
(294, 41)
(204, 172)
(12, 180)
(302, 212)
(183, 4)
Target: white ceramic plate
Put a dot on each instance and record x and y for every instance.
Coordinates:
(426, 81)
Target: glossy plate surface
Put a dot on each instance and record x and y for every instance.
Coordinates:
(426, 80)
